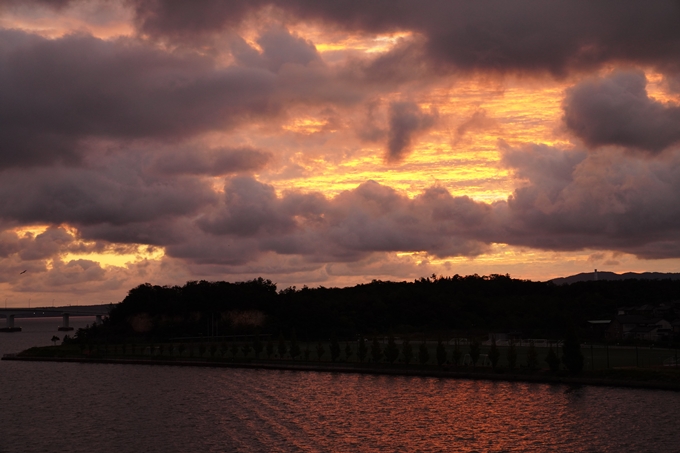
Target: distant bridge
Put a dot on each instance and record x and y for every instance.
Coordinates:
(10, 314)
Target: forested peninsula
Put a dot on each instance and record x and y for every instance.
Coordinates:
(457, 306)
(616, 332)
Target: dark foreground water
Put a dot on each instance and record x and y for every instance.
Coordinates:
(54, 407)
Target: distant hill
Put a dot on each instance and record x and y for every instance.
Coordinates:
(602, 275)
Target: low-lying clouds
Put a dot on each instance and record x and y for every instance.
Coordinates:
(213, 162)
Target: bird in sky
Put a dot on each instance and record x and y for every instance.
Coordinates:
(23, 272)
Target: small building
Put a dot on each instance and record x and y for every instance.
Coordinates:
(638, 327)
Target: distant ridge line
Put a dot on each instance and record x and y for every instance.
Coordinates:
(603, 275)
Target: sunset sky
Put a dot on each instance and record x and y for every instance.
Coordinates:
(331, 143)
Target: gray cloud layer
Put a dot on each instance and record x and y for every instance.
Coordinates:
(525, 35)
(55, 94)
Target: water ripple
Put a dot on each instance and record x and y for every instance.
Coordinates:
(55, 407)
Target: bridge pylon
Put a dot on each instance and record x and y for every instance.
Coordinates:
(64, 327)
(10, 327)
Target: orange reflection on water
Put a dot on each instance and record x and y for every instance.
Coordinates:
(345, 412)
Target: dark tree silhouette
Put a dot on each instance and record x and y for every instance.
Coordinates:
(407, 350)
(348, 351)
(532, 357)
(494, 353)
(572, 356)
(538, 309)
(474, 350)
(423, 353)
(441, 352)
(257, 344)
(335, 347)
(376, 350)
(457, 353)
(294, 345)
(245, 349)
(362, 350)
(282, 347)
(552, 360)
(55, 339)
(512, 355)
(392, 350)
(320, 351)
(233, 349)
(270, 348)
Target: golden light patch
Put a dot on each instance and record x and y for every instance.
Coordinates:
(306, 126)
(111, 258)
(457, 153)
(33, 230)
(53, 24)
(658, 90)
(369, 45)
(329, 40)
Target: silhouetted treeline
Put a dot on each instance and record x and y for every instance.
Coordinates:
(430, 306)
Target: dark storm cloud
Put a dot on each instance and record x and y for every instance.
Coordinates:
(188, 20)
(56, 4)
(606, 201)
(205, 249)
(249, 208)
(279, 47)
(214, 162)
(570, 200)
(374, 217)
(160, 232)
(524, 35)
(55, 94)
(79, 196)
(45, 245)
(74, 272)
(368, 219)
(616, 110)
(406, 120)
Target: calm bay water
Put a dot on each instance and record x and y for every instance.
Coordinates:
(54, 407)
